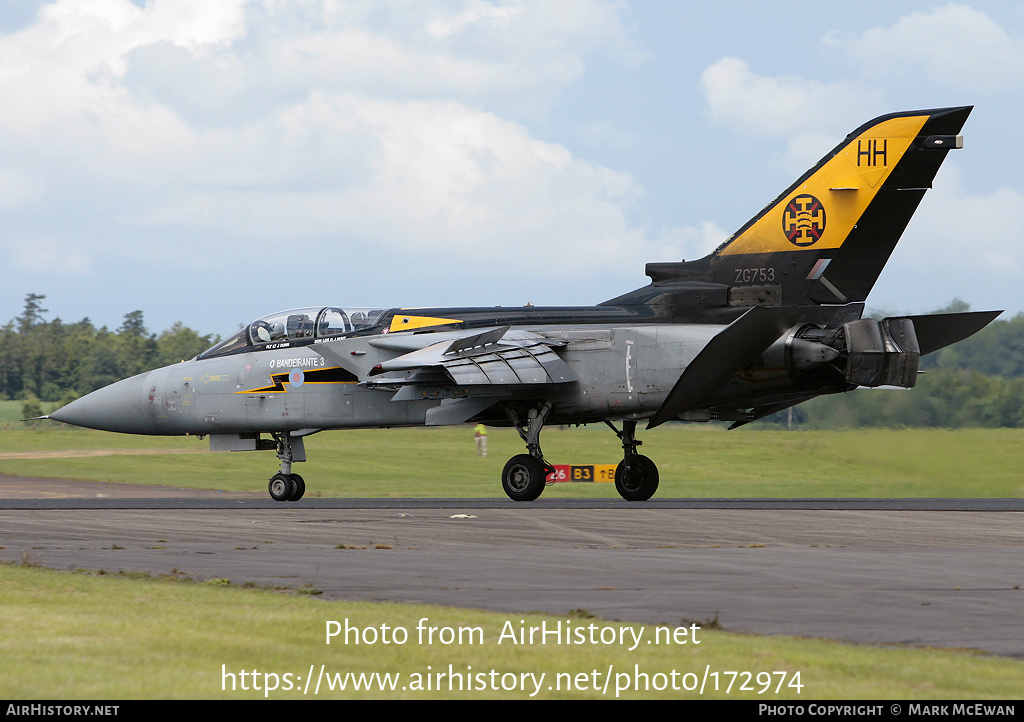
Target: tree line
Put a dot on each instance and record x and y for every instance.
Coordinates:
(56, 361)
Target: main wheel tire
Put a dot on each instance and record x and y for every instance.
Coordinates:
(640, 483)
(300, 488)
(281, 487)
(523, 477)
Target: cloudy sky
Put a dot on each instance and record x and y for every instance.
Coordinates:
(211, 162)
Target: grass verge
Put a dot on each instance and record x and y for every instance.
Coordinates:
(694, 461)
(93, 636)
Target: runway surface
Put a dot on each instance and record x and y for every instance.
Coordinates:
(942, 573)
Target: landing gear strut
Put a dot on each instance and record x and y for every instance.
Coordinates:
(284, 485)
(636, 476)
(524, 475)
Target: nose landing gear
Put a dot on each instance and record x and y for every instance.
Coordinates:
(284, 485)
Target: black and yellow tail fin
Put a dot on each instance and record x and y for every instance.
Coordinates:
(826, 238)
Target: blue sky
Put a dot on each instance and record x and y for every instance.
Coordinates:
(213, 162)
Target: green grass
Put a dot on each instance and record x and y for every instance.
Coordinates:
(10, 413)
(694, 461)
(87, 636)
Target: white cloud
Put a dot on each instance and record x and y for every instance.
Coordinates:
(65, 67)
(513, 56)
(425, 178)
(955, 46)
(977, 234)
(810, 115)
(47, 255)
(279, 121)
(475, 14)
(959, 244)
(697, 241)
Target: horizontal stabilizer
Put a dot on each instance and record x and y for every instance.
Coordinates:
(737, 346)
(939, 330)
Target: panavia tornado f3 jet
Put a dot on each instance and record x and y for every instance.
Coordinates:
(770, 319)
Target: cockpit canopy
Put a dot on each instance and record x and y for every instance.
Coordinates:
(297, 325)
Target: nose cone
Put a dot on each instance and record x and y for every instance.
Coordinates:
(123, 407)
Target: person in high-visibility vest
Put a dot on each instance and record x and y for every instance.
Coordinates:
(480, 433)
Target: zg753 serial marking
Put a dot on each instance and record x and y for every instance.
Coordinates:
(754, 275)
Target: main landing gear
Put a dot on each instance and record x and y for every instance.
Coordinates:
(636, 476)
(524, 476)
(284, 485)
